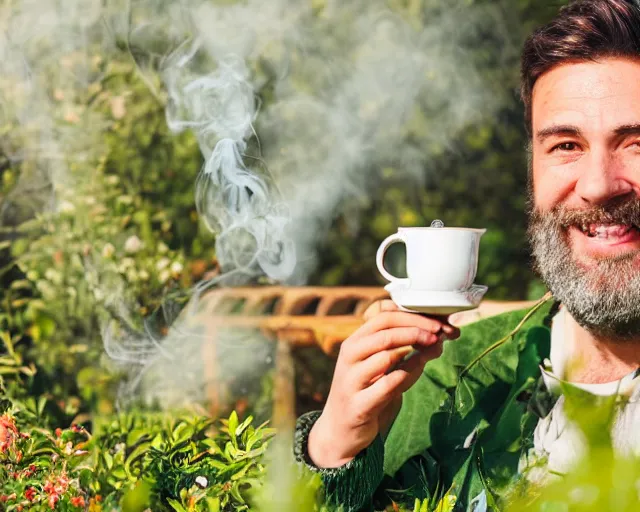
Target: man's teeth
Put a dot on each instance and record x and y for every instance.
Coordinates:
(606, 230)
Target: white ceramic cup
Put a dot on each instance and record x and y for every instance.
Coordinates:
(438, 259)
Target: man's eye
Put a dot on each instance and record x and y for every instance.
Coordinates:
(565, 146)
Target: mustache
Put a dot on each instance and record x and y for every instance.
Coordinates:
(626, 212)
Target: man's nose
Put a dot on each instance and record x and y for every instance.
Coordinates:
(601, 181)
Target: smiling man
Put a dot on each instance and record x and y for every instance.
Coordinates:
(490, 405)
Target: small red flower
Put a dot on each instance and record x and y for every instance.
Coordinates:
(53, 500)
(58, 432)
(8, 432)
(9, 423)
(4, 498)
(30, 493)
(78, 501)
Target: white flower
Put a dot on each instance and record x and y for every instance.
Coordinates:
(53, 276)
(44, 287)
(132, 275)
(164, 276)
(479, 503)
(162, 248)
(202, 482)
(176, 267)
(66, 207)
(163, 263)
(112, 180)
(97, 293)
(133, 244)
(144, 275)
(108, 250)
(125, 264)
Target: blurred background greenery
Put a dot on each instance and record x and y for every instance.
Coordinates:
(128, 230)
(130, 225)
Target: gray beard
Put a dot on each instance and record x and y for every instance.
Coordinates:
(604, 299)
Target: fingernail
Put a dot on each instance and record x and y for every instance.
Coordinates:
(428, 337)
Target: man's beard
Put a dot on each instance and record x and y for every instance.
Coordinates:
(603, 298)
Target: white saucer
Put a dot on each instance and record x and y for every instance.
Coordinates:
(435, 303)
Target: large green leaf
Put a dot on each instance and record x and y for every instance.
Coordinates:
(467, 398)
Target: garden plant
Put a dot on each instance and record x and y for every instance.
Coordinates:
(126, 230)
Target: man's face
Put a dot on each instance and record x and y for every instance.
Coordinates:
(586, 191)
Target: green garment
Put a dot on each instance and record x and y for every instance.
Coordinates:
(463, 426)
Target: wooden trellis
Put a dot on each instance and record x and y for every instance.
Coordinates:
(296, 317)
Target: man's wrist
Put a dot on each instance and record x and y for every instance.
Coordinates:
(322, 449)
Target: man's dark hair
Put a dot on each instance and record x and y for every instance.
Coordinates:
(584, 30)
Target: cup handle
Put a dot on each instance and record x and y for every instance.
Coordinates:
(390, 240)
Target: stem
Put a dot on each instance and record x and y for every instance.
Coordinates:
(502, 341)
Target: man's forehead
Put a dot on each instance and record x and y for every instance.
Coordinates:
(598, 95)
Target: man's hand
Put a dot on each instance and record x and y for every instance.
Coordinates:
(370, 377)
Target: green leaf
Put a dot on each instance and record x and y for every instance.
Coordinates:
(5, 337)
(233, 423)
(505, 426)
(182, 433)
(21, 284)
(42, 402)
(434, 401)
(213, 504)
(235, 492)
(242, 427)
(133, 457)
(137, 499)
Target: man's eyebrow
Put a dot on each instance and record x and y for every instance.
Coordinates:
(628, 129)
(559, 130)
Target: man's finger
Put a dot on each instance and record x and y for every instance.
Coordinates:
(388, 339)
(392, 319)
(414, 367)
(378, 307)
(392, 385)
(378, 364)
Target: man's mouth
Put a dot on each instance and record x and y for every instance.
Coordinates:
(611, 232)
(605, 240)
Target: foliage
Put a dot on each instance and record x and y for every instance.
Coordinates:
(39, 469)
(126, 231)
(120, 236)
(136, 461)
(604, 479)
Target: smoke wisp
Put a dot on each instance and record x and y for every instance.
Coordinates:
(297, 108)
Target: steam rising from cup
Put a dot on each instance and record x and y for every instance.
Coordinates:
(350, 89)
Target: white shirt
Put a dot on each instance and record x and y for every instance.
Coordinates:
(558, 443)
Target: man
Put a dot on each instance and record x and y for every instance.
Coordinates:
(483, 410)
